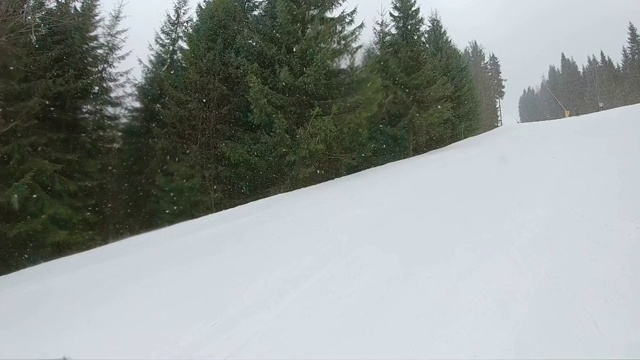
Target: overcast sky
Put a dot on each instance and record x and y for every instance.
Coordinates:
(526, 35)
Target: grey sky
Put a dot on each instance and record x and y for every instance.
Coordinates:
(526, 35)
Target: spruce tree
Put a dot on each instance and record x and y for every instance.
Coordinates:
(524, 106)
(454, 68)
(54, 154)
(591, 79)
(529, 106)
(571, 91)
(388, 141)
(630, 66)
(610, 82)
(550, 89)
(108, 114)
(19, 86)
(497, 81)
(633, 42)
(52, 159)
(306, 93)
(485, 85)
(208, 110)
(150, 197)
(600, 84)
(112, 93)
(416, 108)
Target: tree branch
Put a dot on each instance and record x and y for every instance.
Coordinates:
(2, 131)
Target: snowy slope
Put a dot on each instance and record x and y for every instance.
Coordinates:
(523, 242)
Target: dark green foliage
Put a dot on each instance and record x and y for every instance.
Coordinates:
(209, 114)
(305, 93)
(48, 207)
(489, 84)
(572, 87)
(421, 88)
(454, 67)
(600, 84)
(630, 66)
(112, 97)
(248, 99)
(388, 138)
(52, 155)
(529, 106)
(151, 191)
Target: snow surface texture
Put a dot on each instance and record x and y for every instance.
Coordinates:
(523, 242)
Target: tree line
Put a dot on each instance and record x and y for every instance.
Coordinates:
(598, 85)
(239, 101)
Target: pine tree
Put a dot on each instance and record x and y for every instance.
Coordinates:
(630, 66)
(306, 93)
(114, 82)
(208, 110)
(610, 82)
(485, 84)
(108, 114)
(388, 140)
(529, 106)
(15, 47)
(14, 25)
(51, 159)
(497, 82)
(571, 90)
(416, 109)
(549, 89)
(150, 198)
(18, 106)
(452, 66)
(524, 106)
(53, 156)
(600, 84)
(591, 79)
(633, 42)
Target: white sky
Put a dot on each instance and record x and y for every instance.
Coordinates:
(526, 35)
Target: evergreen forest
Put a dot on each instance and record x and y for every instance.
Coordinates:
(238, 100)
(575, 90)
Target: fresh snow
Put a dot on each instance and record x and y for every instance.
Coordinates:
(522, 242)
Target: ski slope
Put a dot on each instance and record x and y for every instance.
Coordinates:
(522, 242)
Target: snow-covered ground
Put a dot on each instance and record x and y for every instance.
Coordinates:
(523, 242)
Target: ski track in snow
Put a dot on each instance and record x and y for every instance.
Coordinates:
(522, 242)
